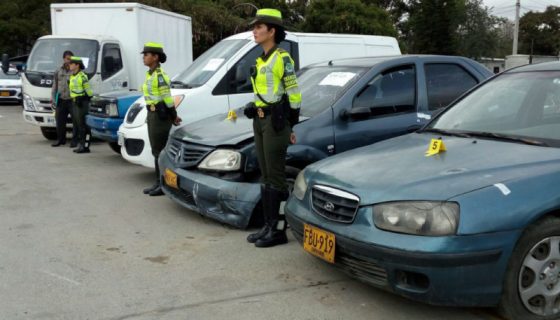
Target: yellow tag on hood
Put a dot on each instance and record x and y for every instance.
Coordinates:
(436, 146)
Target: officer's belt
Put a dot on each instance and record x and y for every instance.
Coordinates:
(153, 107)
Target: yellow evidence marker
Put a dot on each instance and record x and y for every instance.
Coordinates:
(436, 146)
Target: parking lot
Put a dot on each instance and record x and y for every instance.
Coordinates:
(79, 240)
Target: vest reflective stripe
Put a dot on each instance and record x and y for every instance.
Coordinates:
(156, 88)
(79, 85)
(272, 79)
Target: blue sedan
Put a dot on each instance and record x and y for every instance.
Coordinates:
(464, 212)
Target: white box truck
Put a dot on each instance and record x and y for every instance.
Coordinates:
(110, 37)
(218, 80)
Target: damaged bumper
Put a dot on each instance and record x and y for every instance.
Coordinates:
(228, 202)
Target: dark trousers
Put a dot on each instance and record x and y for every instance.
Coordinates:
(158, 132)
(63, 108)
(81, 106)
(271, 147)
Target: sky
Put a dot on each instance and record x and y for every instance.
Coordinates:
(506, 8)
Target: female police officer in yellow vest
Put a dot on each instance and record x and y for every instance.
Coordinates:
(80, 92)
(161, 108)
(274, 112)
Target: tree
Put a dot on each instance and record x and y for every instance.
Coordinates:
(432, 25)
(541, 32)
(347, 16)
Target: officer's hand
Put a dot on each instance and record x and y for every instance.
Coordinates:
(177, 121)
(293, 138)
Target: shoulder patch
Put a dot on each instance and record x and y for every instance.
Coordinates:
(161, 80)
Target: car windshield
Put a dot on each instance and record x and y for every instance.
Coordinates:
(208, 63)
(518, 107)
(46, 55)
(322, 86)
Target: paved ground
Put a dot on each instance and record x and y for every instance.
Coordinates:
(78, 240)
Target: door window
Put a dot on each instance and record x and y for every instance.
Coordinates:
(393, 91)
(445, 82)
(112, 60)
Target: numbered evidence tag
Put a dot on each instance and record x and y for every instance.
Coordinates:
(231, 115)
(436, 146)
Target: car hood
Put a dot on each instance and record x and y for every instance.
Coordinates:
(397, 169)
(10, 82)
(217, 130)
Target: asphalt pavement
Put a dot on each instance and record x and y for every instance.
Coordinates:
(79, 240)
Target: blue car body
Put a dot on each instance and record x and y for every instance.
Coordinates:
(501, 187)
(104, 122)
(232, 197)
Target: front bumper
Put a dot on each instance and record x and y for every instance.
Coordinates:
(10, 94)
(229, 202)
(457, 270)
(41, 119)
(136, 145)
(104, 128)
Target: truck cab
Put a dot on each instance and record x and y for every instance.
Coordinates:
(105, 68)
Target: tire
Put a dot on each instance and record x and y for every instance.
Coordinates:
(115, 147)
(291, 175)
(539, 246)
(49, 133)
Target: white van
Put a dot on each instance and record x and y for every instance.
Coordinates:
(218, 80)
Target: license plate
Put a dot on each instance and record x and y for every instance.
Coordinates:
(170, 178)
(120, 139)
(319, 243)
(5, 93)
(51, 120)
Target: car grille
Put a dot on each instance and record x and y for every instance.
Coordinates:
(362, 269)
(187, 154)
(183, 195)
(97, 108)
(43, 105)
(334, 204)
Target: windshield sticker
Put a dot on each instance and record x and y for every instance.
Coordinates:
(339, 79)
(213, 64)
(503, 188)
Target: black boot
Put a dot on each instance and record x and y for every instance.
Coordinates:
(253, 237)
(58, 143)
(80, 146)
(81, 149)
(276, 234)
(157, 190)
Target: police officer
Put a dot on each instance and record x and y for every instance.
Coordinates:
(161, 108)
(80, 92)
(62, 102)
(274, 112)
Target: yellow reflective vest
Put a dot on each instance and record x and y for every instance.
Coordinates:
(156, 88)
(79, 85)
(275, 75)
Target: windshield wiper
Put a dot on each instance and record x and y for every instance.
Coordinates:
(445, 132)
(180, 85)
(504, 137)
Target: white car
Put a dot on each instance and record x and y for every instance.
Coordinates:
(10, 86)
(218, 80)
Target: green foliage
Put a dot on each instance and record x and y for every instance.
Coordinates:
(542, 31)
(347, 16)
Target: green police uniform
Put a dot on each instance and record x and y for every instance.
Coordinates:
(161, 109)
(80, 93)
(276, 109)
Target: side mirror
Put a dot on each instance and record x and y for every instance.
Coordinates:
(355, 113)
(5, 62)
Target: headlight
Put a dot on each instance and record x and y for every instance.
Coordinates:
(222, 160)
(28, 103)
(134, 111)
(112, 110)
(426, 218)
(300, 186)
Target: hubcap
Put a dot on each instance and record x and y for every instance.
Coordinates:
(539, 278)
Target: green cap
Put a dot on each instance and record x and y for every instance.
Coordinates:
(77, 60)
(271, 16)
(152, 47)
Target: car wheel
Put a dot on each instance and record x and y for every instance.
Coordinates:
(291, 175)
(49, 133)
(115, 147)
(532, 282)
